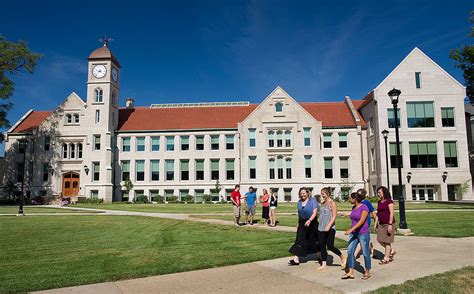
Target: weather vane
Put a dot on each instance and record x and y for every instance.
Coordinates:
(105, 40)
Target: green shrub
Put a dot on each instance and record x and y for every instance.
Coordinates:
(172, 199)
(86, 200)
(158, 198)
(189, 198)
(141, 199)
(207, 198)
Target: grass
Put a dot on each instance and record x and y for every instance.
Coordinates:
(36, 209)
(457, 281)
(225, 208)
(451, 224)
(58, 251)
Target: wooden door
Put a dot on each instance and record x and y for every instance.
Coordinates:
(70, 184)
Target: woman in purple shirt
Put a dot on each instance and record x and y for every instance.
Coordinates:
(358, 233)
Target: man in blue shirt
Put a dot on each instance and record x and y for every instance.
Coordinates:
(251, 199)
(372, 214)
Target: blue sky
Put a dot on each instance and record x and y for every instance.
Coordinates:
(189, 51)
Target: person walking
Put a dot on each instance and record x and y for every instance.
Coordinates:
(273, 206)
(236, 205)
(250, 199)
(384, 223)
(327, 228)
(372, 214)
(358, 233)
(265, 206)
(306, 233)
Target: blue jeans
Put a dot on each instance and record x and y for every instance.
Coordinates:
(364, 240)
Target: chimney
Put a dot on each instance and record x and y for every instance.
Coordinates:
(130, 103)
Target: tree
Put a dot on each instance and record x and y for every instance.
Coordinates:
(128, 185)
(464, 59)
(15, 58)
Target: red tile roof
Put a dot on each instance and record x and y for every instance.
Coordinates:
(331, 114)
(33, 120)
(369, 97)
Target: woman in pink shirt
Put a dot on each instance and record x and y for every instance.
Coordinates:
(265, 206)
(385, 223)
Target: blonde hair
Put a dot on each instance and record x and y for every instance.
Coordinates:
(326, 190)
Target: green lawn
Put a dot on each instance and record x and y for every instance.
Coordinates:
(36, 209)
(225, 208)
(457, 281)
(58, 251)
(423, 223)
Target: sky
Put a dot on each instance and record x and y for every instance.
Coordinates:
(203, 51)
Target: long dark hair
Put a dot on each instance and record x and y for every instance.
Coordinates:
(385, 192)
(358, 197)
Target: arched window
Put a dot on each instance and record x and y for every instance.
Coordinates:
(79, 150)
(278, 107)
(65, 151)
(72, 151)
(271, 139)
(99, 95)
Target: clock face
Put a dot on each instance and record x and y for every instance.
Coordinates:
(99, 71)
(114, 74)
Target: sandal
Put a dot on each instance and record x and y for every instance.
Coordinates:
(347, 277)
(365, 277)
(384, 261)
(292, 262)
(392, 254)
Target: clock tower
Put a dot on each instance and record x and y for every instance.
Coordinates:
(102, 109)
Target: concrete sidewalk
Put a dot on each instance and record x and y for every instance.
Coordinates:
(416, 257)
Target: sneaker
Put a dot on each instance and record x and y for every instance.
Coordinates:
(236, 225)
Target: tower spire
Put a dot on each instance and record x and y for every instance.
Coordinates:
(105, 40)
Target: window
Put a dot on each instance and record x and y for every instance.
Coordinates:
(215, 142)
(140, 144)
(278, 107)
(287, 194)
(168, 194)
(288, 168)
(96, 142)
(371, 126)
(47, 143)
(155, 170)
(79, 150)
(20, 171)
(184, 167)
(125, 170)
(307, 166)
(229, 167)
(287, 138)
(271, 139)
(64, 151)
(99, 95)
(94, 194)
(169, 143)
(279, 139)
(418, 80)
(45, 171)
(450, 154)
(155, 144)
(373, 161)
(420, 114)
(393, 155)
(252, 167)
(423, 155)
(328, 174)
(344, 166)
(97, 116)
(391, 117)
(68, 118)
(280, 167)
(229, 142)
(72, 151)
(114, 98)
(214, 169)
(154, 194)
(271, 168)
(140, 170)
(169, 170)
(199, 142)
(126, 144)
(342, 140)
(95, 171)
(184, 143)
(327, 140)
(199, 169)
(183, 194)
(447, 116)
(307, 137)
(252, 139)
(198, 195)
(76, 118)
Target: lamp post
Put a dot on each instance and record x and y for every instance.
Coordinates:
(22, 146)
(385, 137)
(394, 94)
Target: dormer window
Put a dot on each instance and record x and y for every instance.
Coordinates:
(99, 95)
(278, 107)
(76, 118)
(69, 118)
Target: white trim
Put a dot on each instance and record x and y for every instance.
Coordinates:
(20, 120)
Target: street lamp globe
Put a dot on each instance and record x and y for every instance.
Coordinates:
(394, 94)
